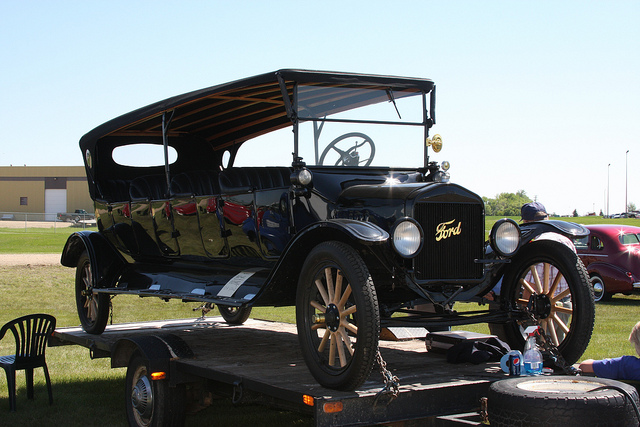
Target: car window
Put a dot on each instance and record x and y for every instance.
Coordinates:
(596, 243)
(143, 154)
(582, 243)
(629, 239)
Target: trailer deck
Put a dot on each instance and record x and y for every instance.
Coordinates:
(263, 358)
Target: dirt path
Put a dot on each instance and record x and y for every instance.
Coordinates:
(29, 259)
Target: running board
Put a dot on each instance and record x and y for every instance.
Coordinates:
(166, 294)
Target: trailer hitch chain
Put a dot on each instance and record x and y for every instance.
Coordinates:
(237, 392)
(391, 382)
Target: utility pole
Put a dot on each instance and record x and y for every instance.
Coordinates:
(626, 181)
(608, 167)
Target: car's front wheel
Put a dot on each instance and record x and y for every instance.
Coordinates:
(337, 316)
(548, 281)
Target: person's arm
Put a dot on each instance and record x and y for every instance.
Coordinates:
(586, 366)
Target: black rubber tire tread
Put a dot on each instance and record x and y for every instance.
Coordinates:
(234, 315)
(168, 402)
(606, 296)
(97, 326)
(367, 316)
(511, 406)
(572, 268)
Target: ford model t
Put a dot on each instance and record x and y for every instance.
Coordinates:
(354, 223)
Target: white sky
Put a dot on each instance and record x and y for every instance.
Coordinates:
(536, 96)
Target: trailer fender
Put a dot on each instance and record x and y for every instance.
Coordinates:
(159, 350)
(105, 260)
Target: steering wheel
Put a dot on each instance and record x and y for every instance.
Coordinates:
(350, 156)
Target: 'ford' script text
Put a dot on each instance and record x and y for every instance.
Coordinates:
(443, 231)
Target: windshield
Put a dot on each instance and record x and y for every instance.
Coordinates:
(345, 126)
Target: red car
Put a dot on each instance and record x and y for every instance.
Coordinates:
(611, 254)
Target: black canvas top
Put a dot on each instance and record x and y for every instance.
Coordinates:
(234, 112)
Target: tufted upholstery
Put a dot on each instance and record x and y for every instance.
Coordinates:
(114, 190)
(195, 183)
(150, 187)
(236, 180)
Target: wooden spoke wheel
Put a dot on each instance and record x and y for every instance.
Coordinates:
(234, 315)
(337, 316)
(93, 309)
(548, 281)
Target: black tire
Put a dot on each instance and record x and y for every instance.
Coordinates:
(338, 332)
(569, 318)
(234, 315)
(151, 403)
(93, 309)
(600, 293)
(560, 401)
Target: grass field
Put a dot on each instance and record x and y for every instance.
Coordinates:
(89, 393)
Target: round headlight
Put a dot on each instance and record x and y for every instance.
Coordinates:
(407, 238)
(302, 177)
(505, 237)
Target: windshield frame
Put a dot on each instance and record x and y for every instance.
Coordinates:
(294, 108)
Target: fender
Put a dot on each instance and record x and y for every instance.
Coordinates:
(615, 278)
(159, 350)
(531, 230)
(352, 232)
(105, 268)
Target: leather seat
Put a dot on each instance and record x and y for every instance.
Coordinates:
(238, 180)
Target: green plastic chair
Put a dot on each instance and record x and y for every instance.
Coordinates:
(31, 335)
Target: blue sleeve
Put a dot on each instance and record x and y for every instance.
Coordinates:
(619, 368)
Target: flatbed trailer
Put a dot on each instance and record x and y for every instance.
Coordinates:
(261, 361)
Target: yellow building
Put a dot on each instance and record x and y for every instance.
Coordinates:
(43, 189)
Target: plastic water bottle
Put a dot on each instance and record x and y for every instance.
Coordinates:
(532, 357)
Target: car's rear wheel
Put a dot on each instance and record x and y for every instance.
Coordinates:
(337, 316)
(234, 315)
(93, 308)
(548, 281)
(599, 290)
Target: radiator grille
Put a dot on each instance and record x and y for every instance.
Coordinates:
(460, 229)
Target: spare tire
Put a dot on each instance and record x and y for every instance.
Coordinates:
(561, 401)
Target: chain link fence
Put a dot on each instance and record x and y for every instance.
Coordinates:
(26, 220)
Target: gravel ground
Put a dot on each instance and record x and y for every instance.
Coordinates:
(29, 259)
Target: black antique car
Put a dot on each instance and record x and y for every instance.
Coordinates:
(354, 224)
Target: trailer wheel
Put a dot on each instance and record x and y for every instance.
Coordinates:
(560, 401)
(234, 315)
(337, 316)
(552, 277)
(151, 403)
(93, 309)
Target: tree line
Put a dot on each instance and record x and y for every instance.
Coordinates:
(506, 204)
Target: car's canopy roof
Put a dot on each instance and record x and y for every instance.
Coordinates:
(234, 112)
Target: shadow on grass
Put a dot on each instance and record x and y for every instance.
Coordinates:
(620, 302)
(101, 402)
